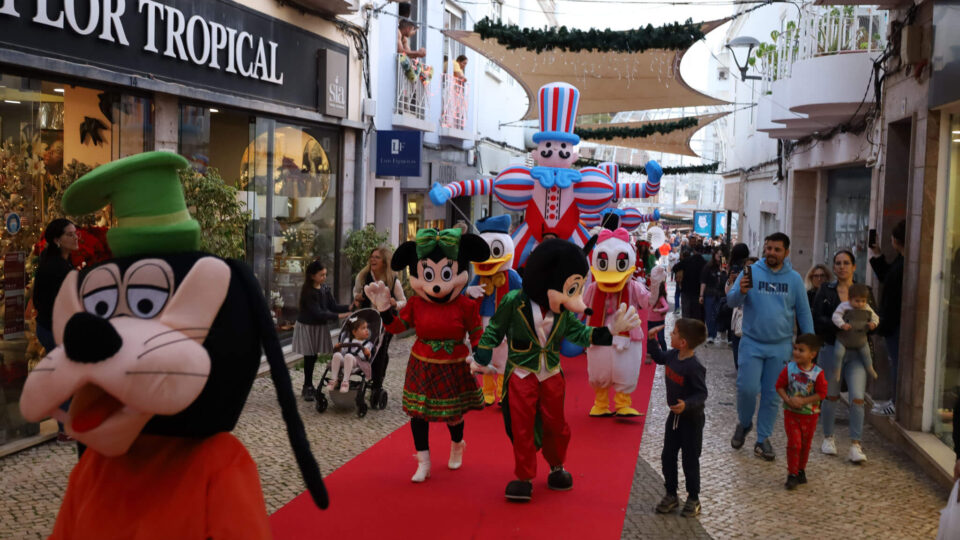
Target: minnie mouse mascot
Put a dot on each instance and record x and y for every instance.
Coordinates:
(438, 385)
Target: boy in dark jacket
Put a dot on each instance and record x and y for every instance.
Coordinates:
(686, 382)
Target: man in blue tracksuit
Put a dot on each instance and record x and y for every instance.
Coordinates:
(774, 301)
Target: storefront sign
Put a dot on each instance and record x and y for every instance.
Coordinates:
(12, 223)
(333, 83)
(216, 44)
(14, 272)
(703, 223)
(399, 153)
(13, 319)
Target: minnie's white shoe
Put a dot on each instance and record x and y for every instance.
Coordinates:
(423, 467)
(456, 455)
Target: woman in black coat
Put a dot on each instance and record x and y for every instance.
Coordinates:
(825, 303)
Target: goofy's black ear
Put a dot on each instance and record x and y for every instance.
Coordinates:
(473, 248)
(404, 257)
(589, 246)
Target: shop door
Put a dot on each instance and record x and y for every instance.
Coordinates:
(848, 214)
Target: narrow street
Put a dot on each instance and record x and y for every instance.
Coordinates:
(743, 496)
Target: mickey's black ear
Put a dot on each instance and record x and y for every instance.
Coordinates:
(589, 247)
(473, 248)
(405, 256)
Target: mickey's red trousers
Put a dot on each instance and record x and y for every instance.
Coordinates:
(525, 398)
(800, 431)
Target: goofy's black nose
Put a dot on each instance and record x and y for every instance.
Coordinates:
(90, 339)
(588, 312)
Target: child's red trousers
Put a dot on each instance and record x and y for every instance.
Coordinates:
(800, 430)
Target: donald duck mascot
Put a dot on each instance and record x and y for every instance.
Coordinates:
(616, 366)
(492, 280)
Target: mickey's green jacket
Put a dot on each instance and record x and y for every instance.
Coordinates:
(514, 319)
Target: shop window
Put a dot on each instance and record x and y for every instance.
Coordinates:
(50, 133)
(287, 175)
(848, 215)
(947, 371)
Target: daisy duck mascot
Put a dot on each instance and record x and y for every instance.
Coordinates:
(552, 195)
(493, 279)
(617, 366)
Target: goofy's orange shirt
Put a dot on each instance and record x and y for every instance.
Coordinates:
(165, 487)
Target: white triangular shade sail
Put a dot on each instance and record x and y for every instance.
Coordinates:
(675, 142)
(609, 82)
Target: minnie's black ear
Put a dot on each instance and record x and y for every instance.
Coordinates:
(404, 257)
(589, 247)
(473, 248)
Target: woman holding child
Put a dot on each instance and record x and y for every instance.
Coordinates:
(825, 303)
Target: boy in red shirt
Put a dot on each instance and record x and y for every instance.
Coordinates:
(802, 386)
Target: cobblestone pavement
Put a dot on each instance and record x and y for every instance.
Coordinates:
(743, 496)
(32, 482)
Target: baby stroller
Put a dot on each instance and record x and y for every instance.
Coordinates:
(359, 379)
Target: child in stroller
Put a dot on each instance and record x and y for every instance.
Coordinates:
(361, 336)
(353, 351)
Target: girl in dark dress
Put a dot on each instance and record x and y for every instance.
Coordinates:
(311, 335)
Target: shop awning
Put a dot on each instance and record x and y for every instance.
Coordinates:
(674, 142)
(609, 82)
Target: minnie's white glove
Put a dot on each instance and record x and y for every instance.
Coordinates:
(624, 319)
(475, 291)
(379, 295)
(621, 343)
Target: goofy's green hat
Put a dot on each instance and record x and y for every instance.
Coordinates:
(147, 200)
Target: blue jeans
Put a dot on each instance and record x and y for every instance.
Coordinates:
(760, 366)
(856, 375)
(893, 357)
(840, 354)
(710, 305)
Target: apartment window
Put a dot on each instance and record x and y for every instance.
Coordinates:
(497, 6)
(723, 74)
(418, 15)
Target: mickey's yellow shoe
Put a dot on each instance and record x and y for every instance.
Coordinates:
(489, 389)
(499, 377)
(622, 404)
(601, 405)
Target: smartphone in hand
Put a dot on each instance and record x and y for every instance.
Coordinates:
(747, 281)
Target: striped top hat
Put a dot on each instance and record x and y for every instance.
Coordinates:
(612, 170)
(558, 112)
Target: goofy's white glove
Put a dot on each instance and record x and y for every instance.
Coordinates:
(379, 295)
(621, 343)
(624, 320)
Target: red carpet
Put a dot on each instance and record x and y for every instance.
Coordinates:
(372, 496)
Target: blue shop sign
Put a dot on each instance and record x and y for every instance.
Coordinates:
(720, 223)
(12, 223)
(399, 153)
(703, 223)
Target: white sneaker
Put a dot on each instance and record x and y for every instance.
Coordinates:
(883, 408)
(709, 341)
(856, 454)
(456, 455)
(829, 446)
(423, 466)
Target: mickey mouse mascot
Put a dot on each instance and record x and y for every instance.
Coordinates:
(158, 349)
(438, 385)
(535, 320)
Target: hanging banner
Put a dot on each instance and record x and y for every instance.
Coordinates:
(720, 223)
(703, 223)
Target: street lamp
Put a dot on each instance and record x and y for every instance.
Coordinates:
(749, 43)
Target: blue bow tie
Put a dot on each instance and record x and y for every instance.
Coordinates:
(548, 176)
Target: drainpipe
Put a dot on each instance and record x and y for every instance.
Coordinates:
(779, 160)
(360, 179)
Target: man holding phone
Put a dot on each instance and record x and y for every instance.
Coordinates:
(774, 301)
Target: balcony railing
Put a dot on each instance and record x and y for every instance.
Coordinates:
(455, 93)
(413, 87)
(826, 31)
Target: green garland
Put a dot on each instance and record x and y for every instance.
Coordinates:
(674, 36)
(646, 130)
(689, 169)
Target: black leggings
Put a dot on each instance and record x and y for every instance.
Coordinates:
(308, 363)
(421, 433)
